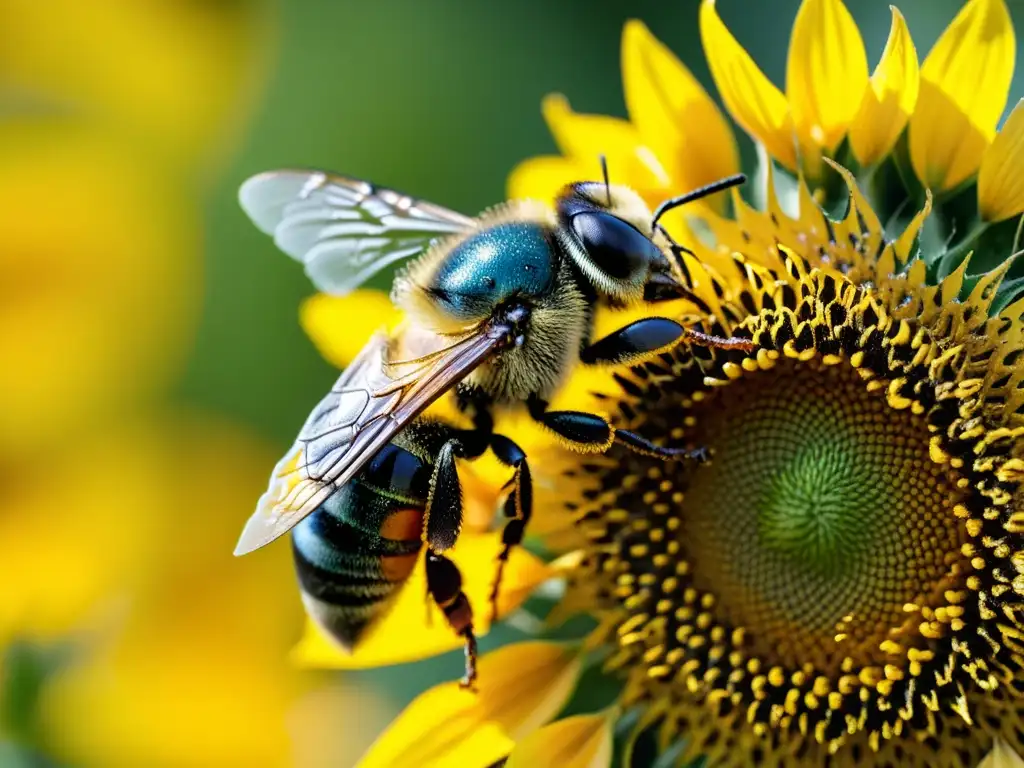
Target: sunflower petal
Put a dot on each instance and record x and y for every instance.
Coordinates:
(965, 81)
(890, 99)
(340, 326)
(413, 630)
(664, 101)
(583, 741)
(1000, 183)
(542, 178)
(521, 687)
(758, 106)
(826, 73)
(1001, 756)
(588, 138)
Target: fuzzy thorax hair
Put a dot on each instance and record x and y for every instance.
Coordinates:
(558, 319)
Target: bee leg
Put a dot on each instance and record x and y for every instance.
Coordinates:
(441, 525)
(642, 445)
(588, 432)
(585, 432)
(633, 341)
(699, 339)
(649, 335)
(518, 506)
(443, 518)
(444, 583)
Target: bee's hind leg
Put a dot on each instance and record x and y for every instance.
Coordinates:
(444, 584)
(441, 525)
(518, 506)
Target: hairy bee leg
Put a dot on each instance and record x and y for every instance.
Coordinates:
(444, 583)
(642, 445)
(589, 431)
(443, 517)
(441, 525)
(633, 341)
(518, 506)
(586, 431)
(707, 340)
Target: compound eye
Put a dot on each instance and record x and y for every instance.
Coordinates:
(615, 247)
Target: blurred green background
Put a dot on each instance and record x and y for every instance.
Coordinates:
(152, 367)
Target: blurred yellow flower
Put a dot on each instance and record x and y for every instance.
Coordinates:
(78, 532)
(174, 77)
(99, 273)
(193, 670)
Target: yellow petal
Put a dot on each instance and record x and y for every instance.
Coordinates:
(521, 687)
(542, 178)
(665, 102)
(1001, 178)
(195, 68)
(889, 102)
(757, 105)
(414, 629)
(964, 84)
(583, 741)
(826, 73)
(1001, 756)
(340, 326)
(585, 138)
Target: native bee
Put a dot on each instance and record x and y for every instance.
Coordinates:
(499, 310)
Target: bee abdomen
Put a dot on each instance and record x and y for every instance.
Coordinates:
(347, 573)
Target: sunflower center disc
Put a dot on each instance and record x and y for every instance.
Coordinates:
(820, 517)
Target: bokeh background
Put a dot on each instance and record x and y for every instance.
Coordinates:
(152, 367)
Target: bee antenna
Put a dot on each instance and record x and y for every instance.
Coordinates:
(604, 172)
(697, 194)
(676, 249)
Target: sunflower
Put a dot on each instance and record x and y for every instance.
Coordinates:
(842, 584)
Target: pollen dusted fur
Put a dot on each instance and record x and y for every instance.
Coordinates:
(558, 322)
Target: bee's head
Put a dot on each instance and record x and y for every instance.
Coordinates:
(610, 228)
(613, 230)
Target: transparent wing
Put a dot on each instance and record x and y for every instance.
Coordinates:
(343, 230)
(364, 410)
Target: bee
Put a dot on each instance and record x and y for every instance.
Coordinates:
(499, 309)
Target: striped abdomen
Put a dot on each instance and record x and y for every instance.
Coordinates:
(362, 543)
